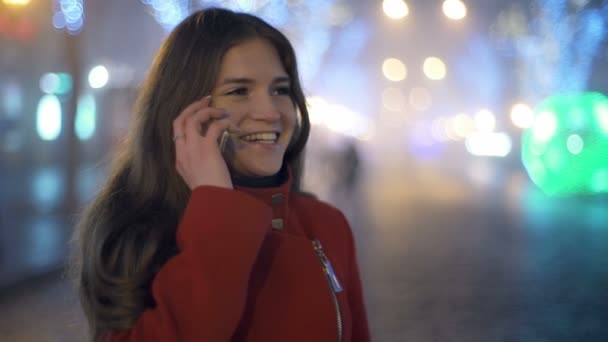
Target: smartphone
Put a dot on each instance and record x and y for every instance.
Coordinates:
(223, 140)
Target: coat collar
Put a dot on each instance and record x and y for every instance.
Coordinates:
(276, 197)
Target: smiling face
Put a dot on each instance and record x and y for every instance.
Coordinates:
(254, 88)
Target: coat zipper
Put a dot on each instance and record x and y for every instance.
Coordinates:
(334, 284)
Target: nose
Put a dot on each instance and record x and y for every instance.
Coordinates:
(265, 108)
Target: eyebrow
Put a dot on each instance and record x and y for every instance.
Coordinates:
(244, 80)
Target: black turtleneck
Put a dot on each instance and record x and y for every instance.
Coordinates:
(273, 181)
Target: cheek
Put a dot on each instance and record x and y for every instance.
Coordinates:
(235, 109)
(289, 126)
(290, 120)
(289, 116)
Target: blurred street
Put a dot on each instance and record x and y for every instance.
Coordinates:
(465, 140)
(443, 258)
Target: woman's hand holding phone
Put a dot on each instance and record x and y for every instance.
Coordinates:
(198, 132)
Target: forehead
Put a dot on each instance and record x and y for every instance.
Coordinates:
(255, 58)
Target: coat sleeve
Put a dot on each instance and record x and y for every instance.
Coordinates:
(360, 327)
(200, 293)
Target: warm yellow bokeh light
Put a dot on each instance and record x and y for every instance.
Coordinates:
(434, 68)
(16, 2)
(454, 9)
(522, 115)
(463, 125)
(395, 9)
(394, 70)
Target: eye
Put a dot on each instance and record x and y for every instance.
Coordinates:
(282, 91)
(238, 91)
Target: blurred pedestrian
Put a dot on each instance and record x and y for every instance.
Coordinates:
(201, 232)
(349, 168)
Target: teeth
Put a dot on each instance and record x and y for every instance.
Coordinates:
(260, 136)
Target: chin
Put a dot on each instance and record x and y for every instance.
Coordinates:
(259, 169)
(266, 170)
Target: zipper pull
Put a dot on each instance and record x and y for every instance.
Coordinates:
(329, 270)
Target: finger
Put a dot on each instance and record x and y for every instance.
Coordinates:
(195, 126)
(180, 144)
(217, 127)
(202, 119)
(205, 114)
(197, 105)
(179, 122)
(180, 158)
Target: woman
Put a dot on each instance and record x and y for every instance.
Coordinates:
(186, 243)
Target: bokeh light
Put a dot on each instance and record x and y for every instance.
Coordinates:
(489, 144)
(395, 9)
(98, 77)
(454, 9)
(69, 14)
(485, 121)
(86, 117)
(168, 13)
(344, 121)
(434, 68)
(55, 83)
(575, 144)
(566, 148)
(16, 2)
(545, 126)
(48, 118)
(317, 109)
(463, 125)
(338, 119)
(601, 114)
(522, 115)
(49, 83)
(394, 69)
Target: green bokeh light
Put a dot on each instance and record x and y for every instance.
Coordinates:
(65, 84)
(575, 144)
(566, 150)
(86, 117)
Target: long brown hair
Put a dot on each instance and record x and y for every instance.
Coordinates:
(128, 231)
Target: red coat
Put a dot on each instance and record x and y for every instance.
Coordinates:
(248, 271)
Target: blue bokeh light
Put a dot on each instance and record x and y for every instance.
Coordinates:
(69, 14)
(168, 13)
